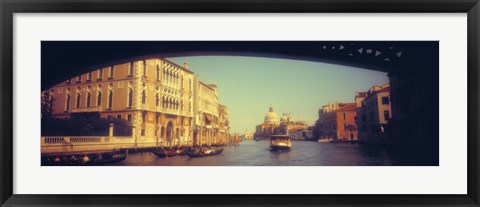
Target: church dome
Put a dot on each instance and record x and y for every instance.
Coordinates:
(271, 117)
(284, 119)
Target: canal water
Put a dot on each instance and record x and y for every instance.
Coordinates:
(303, 153)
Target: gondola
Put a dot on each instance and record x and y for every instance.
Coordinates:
(164, 152)
(204, 152)
(180, 151)
(115, 158)
(77, 160)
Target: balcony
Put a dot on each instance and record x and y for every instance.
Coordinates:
(170, 111)
(87, 109)
(173, 111)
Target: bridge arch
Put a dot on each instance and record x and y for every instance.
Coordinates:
(63, 60)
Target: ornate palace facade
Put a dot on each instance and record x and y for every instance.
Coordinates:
(164, 102)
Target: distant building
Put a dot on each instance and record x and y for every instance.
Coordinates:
(359, 119)
(206, 113)
(248, 135)
(297, 130)
(373, 113)
(272, 124)
(337, 121)
(223, 124)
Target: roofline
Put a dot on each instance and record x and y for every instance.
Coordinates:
(206, 85)
(183, 68)
(129, 60)
(376, 93)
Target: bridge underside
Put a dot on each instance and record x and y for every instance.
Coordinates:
(62, 60)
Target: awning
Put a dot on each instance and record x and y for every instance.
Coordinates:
(209, 117)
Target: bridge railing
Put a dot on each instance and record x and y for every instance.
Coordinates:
(53, 140)
(67, 140)
(84, 144)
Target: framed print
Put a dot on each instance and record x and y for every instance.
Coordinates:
(238, 103)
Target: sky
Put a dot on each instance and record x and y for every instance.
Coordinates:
(249, 85)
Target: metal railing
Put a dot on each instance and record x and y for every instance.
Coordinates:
(67, 140)
(53, 140)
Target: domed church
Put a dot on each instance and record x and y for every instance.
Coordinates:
(272, 124)
(271, 117)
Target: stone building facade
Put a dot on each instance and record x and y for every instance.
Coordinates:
(164, 102)
(374, 112)
(337, 121)
(206, 113)
(223, 124)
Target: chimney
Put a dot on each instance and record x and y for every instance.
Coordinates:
(185, 65)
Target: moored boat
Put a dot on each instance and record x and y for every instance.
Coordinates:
(204, 152)
(324, 140)
(164, 152)
(115, 158)
(180, 151)
(84, 160)
(280, 142)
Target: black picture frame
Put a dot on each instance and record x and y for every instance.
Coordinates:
(9, 8)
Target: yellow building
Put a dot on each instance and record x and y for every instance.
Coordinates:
(162, 100)
(205, 113)
(223, 124)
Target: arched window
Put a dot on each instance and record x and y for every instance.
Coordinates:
(158, 73)
(67, 104)
(144, 97)
(132, 65)
(99, 98)
(88, 99)
(181, 82)
(110, 99)
(168, 76)
(111, 72)
(157, 100)
(144, 68)
(78, 100)
(100, 74)
(130, 97)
